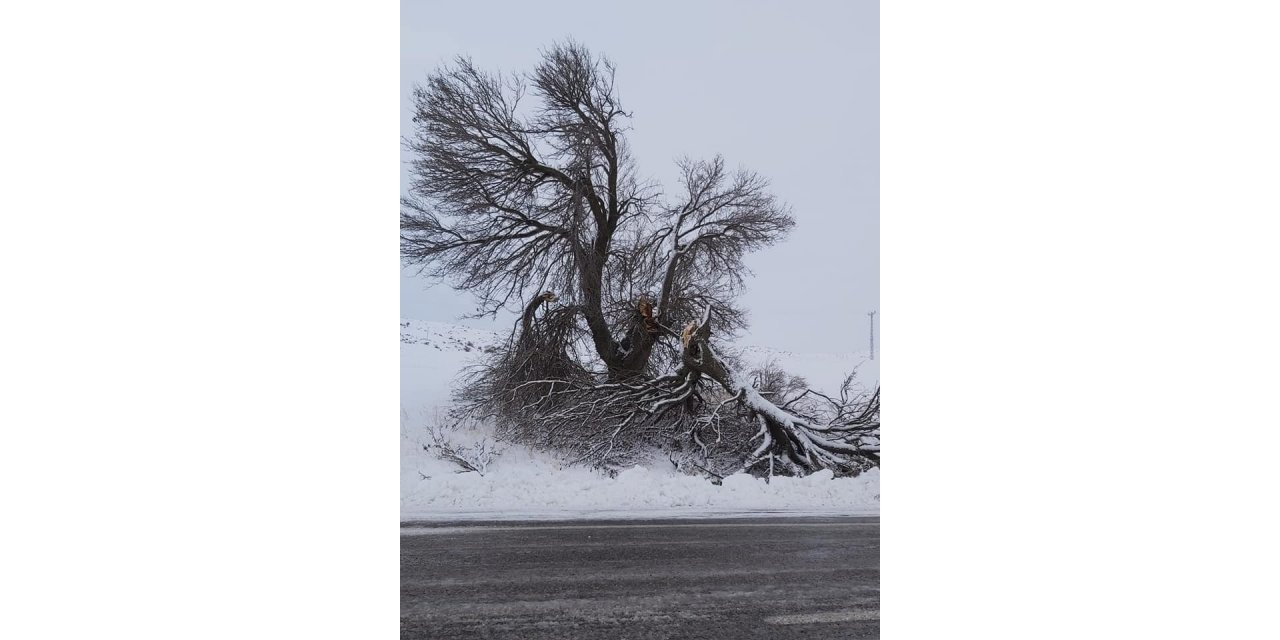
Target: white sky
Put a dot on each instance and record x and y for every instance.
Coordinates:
(790, 90)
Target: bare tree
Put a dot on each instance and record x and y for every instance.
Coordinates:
(524, 193)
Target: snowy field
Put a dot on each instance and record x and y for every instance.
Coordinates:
(523, 484)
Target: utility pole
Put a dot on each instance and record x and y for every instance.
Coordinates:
(872, 315)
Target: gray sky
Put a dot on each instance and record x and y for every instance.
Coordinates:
(788, 89)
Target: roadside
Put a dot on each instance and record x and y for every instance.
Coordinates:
(547, 518)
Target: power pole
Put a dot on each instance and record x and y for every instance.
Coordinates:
(872, 315)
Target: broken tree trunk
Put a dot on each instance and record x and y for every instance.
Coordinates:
(804, 442)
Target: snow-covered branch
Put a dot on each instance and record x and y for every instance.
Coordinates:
(474, 457)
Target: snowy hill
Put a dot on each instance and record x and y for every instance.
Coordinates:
(522, 483)
(431, 356)
(443, 336)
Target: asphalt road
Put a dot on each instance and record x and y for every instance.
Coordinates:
(813, 578)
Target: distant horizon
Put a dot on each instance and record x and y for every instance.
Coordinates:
(502, 330)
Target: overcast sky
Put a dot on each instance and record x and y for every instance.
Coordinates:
(788, 89)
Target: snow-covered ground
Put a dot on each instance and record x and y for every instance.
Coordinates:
(526, 484)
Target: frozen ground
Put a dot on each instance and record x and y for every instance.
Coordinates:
(531, 485)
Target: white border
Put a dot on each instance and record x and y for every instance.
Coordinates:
(1080, 268)
(199, 338)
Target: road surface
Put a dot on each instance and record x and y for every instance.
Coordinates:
(742, 578)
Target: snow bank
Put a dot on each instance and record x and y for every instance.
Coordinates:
(526, 484)
(523, 484)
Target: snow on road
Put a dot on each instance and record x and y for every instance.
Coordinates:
(526, 484)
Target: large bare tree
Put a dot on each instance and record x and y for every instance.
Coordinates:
(524, 194)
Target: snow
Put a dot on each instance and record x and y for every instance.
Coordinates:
(524, 484)
(432, 355)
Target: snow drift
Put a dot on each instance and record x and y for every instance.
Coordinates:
(526, 484)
